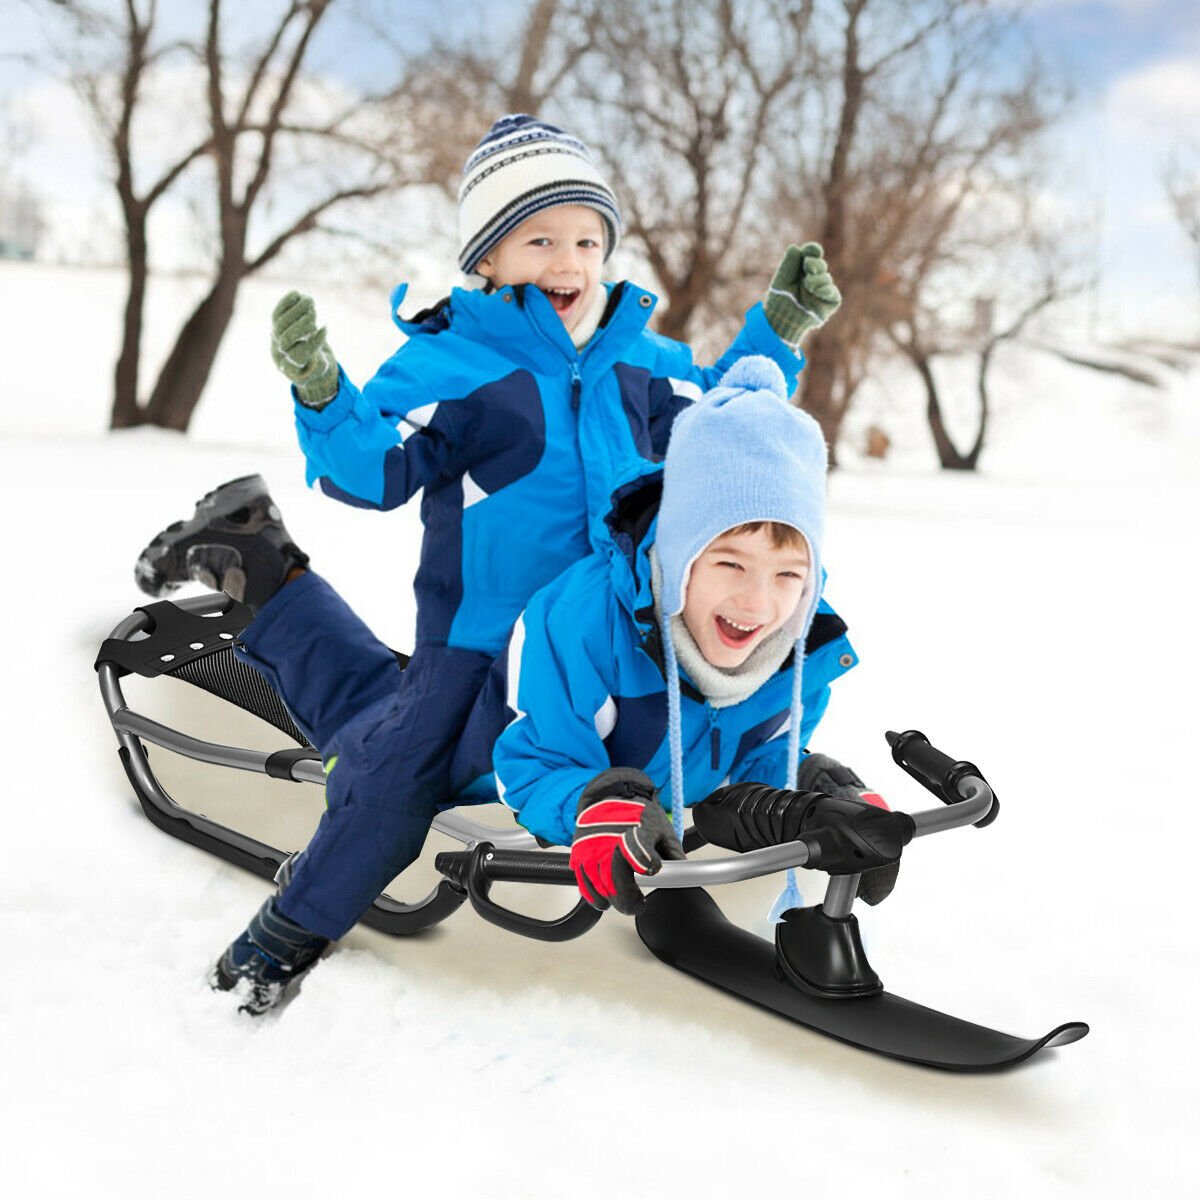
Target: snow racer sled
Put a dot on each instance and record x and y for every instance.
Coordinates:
(816, 973)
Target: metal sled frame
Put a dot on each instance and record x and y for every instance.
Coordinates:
(192, 638)
(215, 621)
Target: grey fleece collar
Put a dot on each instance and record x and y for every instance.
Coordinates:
(590, 321)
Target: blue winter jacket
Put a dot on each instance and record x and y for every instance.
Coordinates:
(591, 692)
(516, 437)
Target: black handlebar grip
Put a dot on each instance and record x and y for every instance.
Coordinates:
(529, 866)
(934, 770)
(913, 752)
(512, 866)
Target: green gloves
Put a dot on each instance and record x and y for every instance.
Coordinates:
(802, 296)
(301, 352)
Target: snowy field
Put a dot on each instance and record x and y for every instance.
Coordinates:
(1038, 618)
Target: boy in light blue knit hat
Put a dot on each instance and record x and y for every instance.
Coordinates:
(697, 651)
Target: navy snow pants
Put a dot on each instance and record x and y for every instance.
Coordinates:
(407, 742)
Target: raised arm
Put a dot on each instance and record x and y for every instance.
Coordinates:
(372, 448)
(800, 297)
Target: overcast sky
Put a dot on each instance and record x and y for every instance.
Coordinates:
(1136, 64)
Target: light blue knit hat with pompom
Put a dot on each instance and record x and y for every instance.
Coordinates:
(741, 453)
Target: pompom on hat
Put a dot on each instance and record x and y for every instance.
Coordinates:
(521, 167)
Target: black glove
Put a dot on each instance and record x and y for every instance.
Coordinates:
(620, 828)
(820, 773)
(747, 816)
(851, 836)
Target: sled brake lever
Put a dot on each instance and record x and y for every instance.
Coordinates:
(474, 871)
(937, 772)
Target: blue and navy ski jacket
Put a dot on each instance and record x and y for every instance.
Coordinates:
(516, 437)
(591, 693)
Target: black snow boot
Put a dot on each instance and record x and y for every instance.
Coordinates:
(264, 963)
(235, 541)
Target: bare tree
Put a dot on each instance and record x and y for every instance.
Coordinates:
(732, 128)
(979, 260)
(682, 101)
(1181, 181)
(928, 100)
(462, 84)
(729, 129)
(252, 122)
(923, 345)
(685, 101)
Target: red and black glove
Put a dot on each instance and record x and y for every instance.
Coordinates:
(821, 773)
(620, 828)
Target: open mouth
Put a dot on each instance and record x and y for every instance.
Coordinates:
(563, 299)
(732, 633)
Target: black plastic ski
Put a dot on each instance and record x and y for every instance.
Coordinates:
(685, 929)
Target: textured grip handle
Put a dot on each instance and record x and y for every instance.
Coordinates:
(511, 866)
(529, 866)
(927, 764)
(935, 770)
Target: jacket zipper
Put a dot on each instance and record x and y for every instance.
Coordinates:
(573, 363)
(714, 737)
(576, 385)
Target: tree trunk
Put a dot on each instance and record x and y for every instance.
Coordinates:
(182, 379)
(678, 317)
(985, 361)
(819, 395)
(948, 454)
(521, 97)
(125, 411)
(827, 355)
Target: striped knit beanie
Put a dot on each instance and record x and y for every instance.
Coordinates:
(521, 167)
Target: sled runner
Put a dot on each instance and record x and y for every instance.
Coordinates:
(815, 974)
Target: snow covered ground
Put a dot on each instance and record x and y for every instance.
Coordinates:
(1037, 618)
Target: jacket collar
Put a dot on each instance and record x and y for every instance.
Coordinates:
(523, 322)
(631, 524)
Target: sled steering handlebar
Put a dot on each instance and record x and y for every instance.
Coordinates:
(975, 800)
(472, 871)
(540, 866)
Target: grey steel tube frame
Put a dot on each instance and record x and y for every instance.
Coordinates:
(130, 726)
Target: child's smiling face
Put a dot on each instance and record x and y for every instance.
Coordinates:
(741, 589)
(561, 251)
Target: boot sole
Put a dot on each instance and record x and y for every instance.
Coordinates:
(163, 565)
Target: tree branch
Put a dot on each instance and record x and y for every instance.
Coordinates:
(308, 220)
(261, 65)
(316, 10)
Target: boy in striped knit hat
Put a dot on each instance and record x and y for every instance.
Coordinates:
(514, 406)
